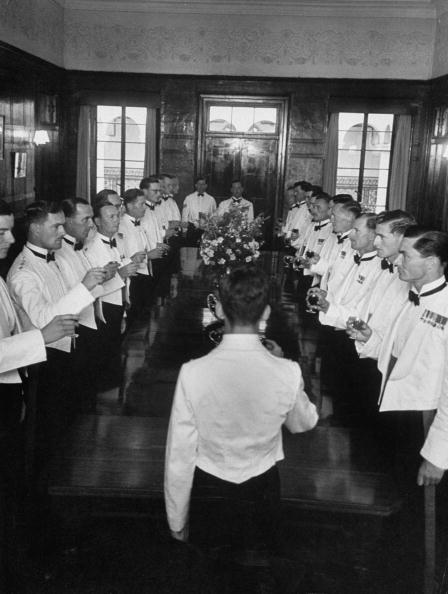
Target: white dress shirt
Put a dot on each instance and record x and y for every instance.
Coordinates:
(338, 271)
(195, 204)
(226, 418)
(419, 378)
(39, 292)
(17, 349)
(243, 204)
(298, 217)
(346, 300)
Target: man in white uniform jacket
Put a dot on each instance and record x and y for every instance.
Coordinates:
(414, 353)
(17, 350)
(197, 205)
(237, 201)
(229, 407)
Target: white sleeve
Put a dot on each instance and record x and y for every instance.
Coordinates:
(186, 210)
(303, 415)
(27, 291)
(21, 350)
(435, 448)
(180, 457)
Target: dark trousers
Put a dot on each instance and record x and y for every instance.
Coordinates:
(11, 480)
(55, 406)
(85, 368)
(141, 293)
(243, 516)
(193, 236)
(109, 370)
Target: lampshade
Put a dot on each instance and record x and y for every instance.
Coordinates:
(41, 137)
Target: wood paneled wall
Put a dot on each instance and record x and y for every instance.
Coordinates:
(24, 83)
(308, 101)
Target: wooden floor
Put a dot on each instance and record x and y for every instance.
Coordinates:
(120, 452)
(112, 462)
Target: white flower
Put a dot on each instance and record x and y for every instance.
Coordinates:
(221, 261)
(220, 239)
(238, 240)
(228, 251)
(248, 258)
(232, 257)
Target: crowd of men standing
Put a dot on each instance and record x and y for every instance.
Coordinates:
(374, 286)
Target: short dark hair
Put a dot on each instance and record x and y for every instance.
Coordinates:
(69, 205)
(342, 198)
(429, 243)
(352, 207)
(315, 190)
(163, 175)
(98, 204)
(200, 178)
(38, 211)
(398, 220)
(371, 218)
(106, 192)
(322, 196)
(132, 195)
(236, 181)
(5, 209)
(146, 181)
(304, 185)
(244, 294)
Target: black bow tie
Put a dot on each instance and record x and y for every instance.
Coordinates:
(49, 256)
(136, 223)
(112, 243)
(386, 265)
(341, 239)
(296, 205)
(200, 195)
(75, 245)
(358, 259)
(415, 299)
(320, 225)
(236, 200)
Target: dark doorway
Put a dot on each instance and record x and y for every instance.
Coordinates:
(244, 138)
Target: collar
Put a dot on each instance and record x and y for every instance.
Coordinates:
(111, 241)
(134, 221)
(365, 257)
(298, 204)
(36, 250)
(342, 236)
(430, 286)
(241, 341)
(320, 224)
(76, 245)
(200, 195)
(236, 199)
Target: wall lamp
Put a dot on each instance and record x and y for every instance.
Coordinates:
(41, 137)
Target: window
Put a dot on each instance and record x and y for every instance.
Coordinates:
(242, 119)
(364, 157)
(120, 147)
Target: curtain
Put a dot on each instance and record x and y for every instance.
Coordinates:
(331, 155)
(399, 171)
(83, 167)
(150, 167)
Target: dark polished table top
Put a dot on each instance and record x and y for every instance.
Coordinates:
(122, 454)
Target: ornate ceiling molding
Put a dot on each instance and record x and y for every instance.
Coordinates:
(340, 8)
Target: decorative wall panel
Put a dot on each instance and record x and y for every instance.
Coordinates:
(250, 46)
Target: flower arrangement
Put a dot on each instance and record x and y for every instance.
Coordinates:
(230, 239)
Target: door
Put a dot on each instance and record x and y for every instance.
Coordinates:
(244, 138)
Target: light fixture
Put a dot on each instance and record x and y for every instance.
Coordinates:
(41, 137)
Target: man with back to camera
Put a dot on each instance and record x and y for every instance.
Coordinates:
(237, 201)
(18, 349)
(225, 426)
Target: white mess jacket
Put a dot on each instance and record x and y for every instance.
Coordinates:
(194, 204)
(39, 292)
(134, 240)
(345, 302)
(171, 209)
(380, 309)
(74, 266)
(17, 349)
(99, 253)
(339, 268)
(152, 225)
(244, 205)
(298, 217)
(419, 378)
